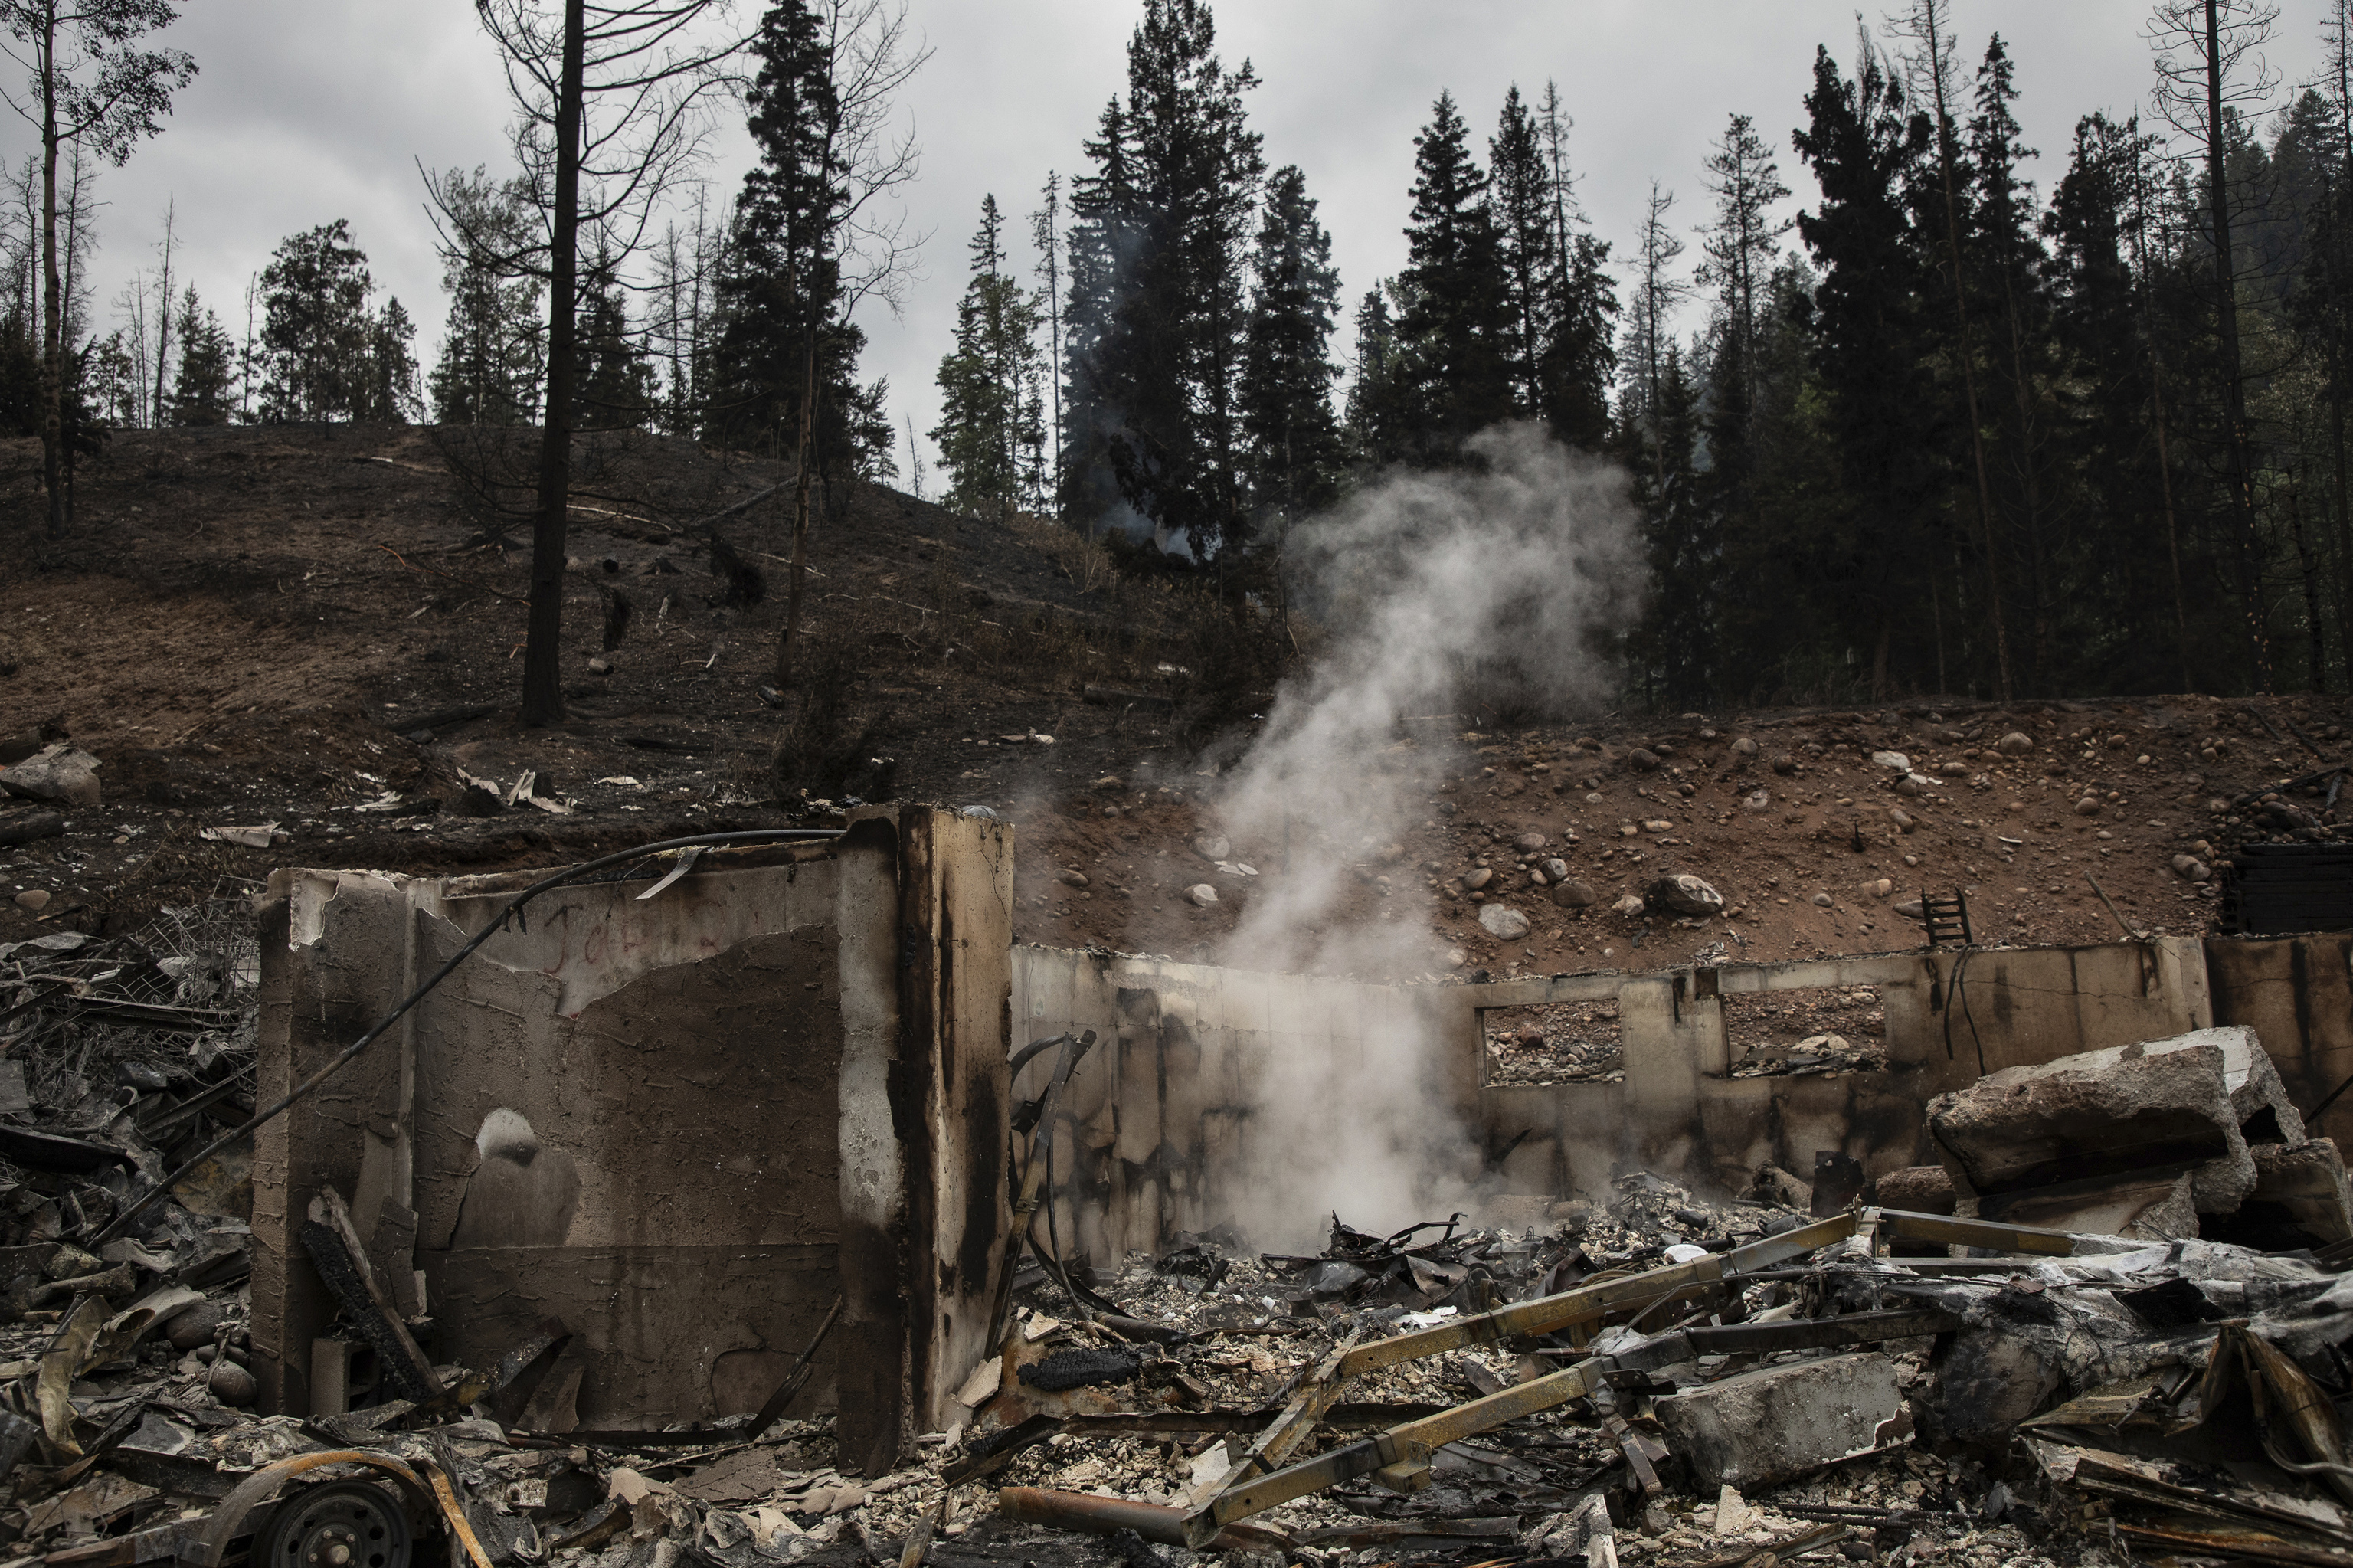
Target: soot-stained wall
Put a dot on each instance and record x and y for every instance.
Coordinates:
(681, 1125)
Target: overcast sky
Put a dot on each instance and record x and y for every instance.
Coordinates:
(307, 110)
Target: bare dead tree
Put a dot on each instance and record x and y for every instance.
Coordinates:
(613, 101)
(865, 159)
(89, 86)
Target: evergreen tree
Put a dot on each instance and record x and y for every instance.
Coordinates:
(1738, 250)
(1455, 328)
(1870, 349)
(1579, 355)
(1378, 403)
(779, 279)
(991, 426)
(1287, 372)
(203, 391)
(325, 355)
(1678, 647)
(615, 388)
(1649, 334)
(1097, 330)
(490, 363)
(1158, 307)
(1522, 205)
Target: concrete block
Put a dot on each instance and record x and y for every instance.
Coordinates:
(1916, 1189)
(1764, 1427)
(2309, 1181)
(2252, 1078)
(2164, 1106)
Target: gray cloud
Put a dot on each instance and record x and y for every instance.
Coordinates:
(313, 110)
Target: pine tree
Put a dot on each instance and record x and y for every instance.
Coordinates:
(319, 339)
(1455, 328)
(615, 388)
(1097, 335)
(1287, 372)
(2004, 249)
(1867, 152)
(1679, 644)
(991, 424)
(779, 279)
(490, 363)
(1649, 334)
(1378, 404)
(1580, 352)
(1522, 204)
(1738, 250)
(1158, 307)
(203, 393)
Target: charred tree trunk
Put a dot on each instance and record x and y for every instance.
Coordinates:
(53, 324)
(543, 685)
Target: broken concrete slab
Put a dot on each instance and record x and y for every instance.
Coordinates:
(2136, 1206)
(2251, 1076)
(2308, 1182)
(1760, 1428)
(2094, 1115)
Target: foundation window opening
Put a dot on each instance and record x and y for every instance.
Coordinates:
(1557, 1042)
(1809, 1032)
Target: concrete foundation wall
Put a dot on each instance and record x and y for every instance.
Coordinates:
(1160, 1123)
(681, 1125)
(2297, 994)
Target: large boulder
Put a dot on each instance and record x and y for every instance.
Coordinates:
(1683, 894)
(58, 774)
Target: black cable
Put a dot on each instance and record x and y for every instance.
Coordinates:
(511, 912)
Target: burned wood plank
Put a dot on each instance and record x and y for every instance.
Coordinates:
(343, 1266)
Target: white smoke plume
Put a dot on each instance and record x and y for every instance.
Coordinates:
(1507, 584)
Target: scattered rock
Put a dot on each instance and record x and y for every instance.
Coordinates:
(1456, 958)
(2191, 868)
(58, 774)
(1784, 763)
(1882, 888)
(1822, 901)
(1528, 843)
(1575, 894)
(2014, 744)
(1213, 846)
(1202, 895)
(1503, 922)
(1642, 760)
(1756, 800)
(1108, 784)
(1954, 769)
(232, 1384)
(600, 666)
(33, 899)
(1072, 877)
(1684, 895)
(1479, 879)
(1744, 746)
(1894, 759)
(1556, 870)
(1630, 906)
(2089, 806)
(1905, 821)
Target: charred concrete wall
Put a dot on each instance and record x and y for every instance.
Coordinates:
(2297, 994)
(680, 1124)
(1159, 1128)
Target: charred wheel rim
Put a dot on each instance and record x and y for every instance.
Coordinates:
(344, 1524)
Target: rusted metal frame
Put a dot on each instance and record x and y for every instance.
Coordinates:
(1983, 1233)
(1400, 1457)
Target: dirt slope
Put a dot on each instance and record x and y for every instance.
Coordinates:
(251, 625)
